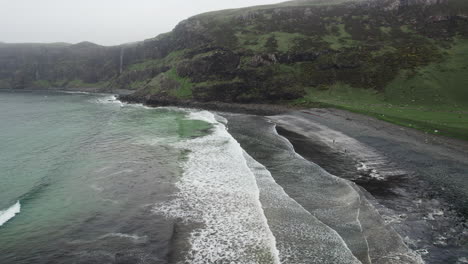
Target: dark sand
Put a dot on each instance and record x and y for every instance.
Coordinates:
(419, 181)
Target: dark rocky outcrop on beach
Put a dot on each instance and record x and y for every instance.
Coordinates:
(265, 54)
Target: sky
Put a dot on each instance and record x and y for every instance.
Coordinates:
(105, 22)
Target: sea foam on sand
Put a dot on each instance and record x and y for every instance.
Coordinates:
(219, 191)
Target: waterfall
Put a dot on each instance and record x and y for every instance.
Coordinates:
(122, 50)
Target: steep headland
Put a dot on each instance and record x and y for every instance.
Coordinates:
(404, 61)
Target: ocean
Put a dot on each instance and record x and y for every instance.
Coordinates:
(80, 174)
(85, 178)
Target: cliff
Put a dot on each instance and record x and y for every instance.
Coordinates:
(263, 54)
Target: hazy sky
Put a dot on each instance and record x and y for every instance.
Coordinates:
(106, 22)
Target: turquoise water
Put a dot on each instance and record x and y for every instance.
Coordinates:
(82, 168)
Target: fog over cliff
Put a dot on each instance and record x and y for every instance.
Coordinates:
(105, 22)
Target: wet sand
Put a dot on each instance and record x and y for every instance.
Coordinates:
(419, 181)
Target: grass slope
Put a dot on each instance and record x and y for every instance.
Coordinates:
(433, 98)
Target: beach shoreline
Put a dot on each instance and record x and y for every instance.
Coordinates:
(391, 140)
(401, 170)
(416, 181)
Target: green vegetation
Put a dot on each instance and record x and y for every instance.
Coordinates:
(282, 41)
(42, 84)
(154, 85)
(144, 65)
(213, 83)
(286, 40)
(386, 30)
(60, 83)
(77, 83)
(433, 98)
(406, 29)
(338, 38)
(185, 85)
(137, 85)
(170, 59)
(436, 85)
(384, 51)
(446, 121)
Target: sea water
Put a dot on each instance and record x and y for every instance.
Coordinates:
(80, 174)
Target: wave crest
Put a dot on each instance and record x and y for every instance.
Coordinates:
(9, 213)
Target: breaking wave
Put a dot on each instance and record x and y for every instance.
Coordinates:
(9, 213)
(219, 191)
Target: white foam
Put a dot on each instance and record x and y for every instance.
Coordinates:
(139, 106)
(110, 99)
(75, 92)
(219, 191)
(434, 214)
(157, 141)
(393, 246)
(125, 171)
(301, 237)
(370, 160)
(349, 226)
(361, 166)
(135, 238)
(131, 237)
(9, 213)
(203, 116)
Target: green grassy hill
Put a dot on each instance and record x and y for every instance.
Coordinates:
(433, 98)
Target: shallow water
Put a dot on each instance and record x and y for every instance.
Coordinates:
(86, 171)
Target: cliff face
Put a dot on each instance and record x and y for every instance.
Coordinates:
(271, 53)
(259, 54)
(35, 65)
(62, 65)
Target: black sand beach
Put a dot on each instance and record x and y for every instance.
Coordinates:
(419, 181)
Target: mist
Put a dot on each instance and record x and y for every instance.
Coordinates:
(105, 22)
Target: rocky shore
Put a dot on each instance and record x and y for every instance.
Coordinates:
(254, 109)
